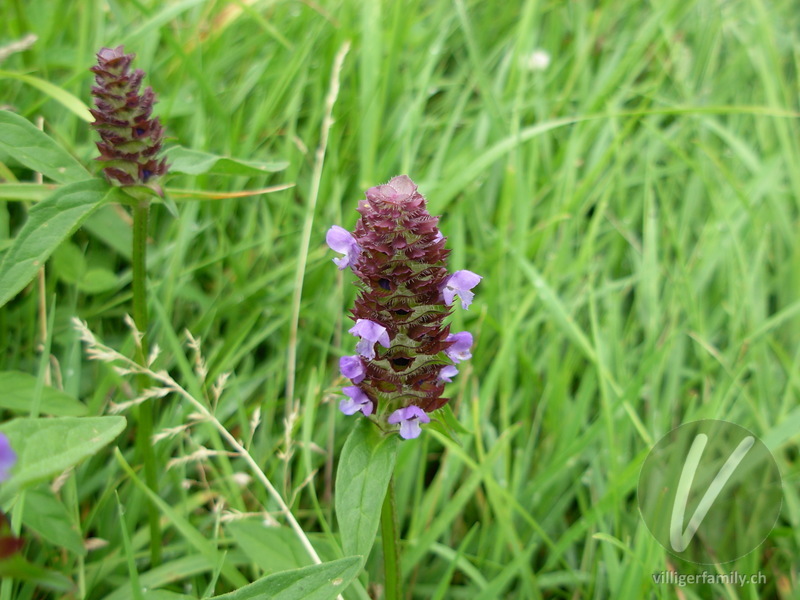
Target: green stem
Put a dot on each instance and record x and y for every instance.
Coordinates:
(144, 432)
(391, 545)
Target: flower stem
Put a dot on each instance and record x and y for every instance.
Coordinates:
(141, 213)
(391, 545)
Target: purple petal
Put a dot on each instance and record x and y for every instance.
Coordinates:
(369, 332)
(415, 412)
(464, 280)
(348, 406)
(7, 457)
(342, 241)
(410, 430)
(460, 283)
(353, 368)
(409, 419)
(395, 417)
(460, 349)
(357, 400)
(449, 295)
(366, 349)
(446, 373)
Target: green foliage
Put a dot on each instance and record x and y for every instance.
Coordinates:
(194, 162)
(48, 447)
(49, 223)
(317, 582)
(19, 390)
(24, 143)
(365, 469)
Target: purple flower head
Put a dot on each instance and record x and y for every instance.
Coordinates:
(409, 419)
(446, 374)
(357, 401)
(8, 457)
(370, 332)
(459, 284)
(130, 138)
(460, 348)
(342, 241)
(353, 368)
(405, 292)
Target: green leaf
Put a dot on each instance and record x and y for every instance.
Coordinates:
(33, 148)
(317, 582)
(62, 96)
(48, 447)
(193, 162)
(48, 224)
(18, 389)
(16, 567)
(98, 280)
(273, 549)
(69, 264)
(365, 469)
(34, 192)
(48, 517)
(165, 595)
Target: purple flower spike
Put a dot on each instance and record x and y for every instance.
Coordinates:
(409, 419)
(358, 401)
(352, 368)
(370, 332)
(130, 137)
(459, 284)
(460, 349)
(342, 241)
(7, 457)
(447, 372)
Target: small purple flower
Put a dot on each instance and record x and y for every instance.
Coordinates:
(409, 419)
(358, 401)
(460, 349)
(7, 457)
(353, 368)
(447, 372)
(459, 284)
(342, 241)
(370, 332)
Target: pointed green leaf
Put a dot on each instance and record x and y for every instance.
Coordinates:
(49, 223)
(365, 468)
(193, 162)
(47, 447)
(18, 389)
(317, 582)
(272, 548)
(16, 567)
(48, 516)
(36, 150)
(34, 192)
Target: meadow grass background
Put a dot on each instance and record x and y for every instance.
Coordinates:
(632, 208)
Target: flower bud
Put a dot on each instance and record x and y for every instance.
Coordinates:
(130, 138)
